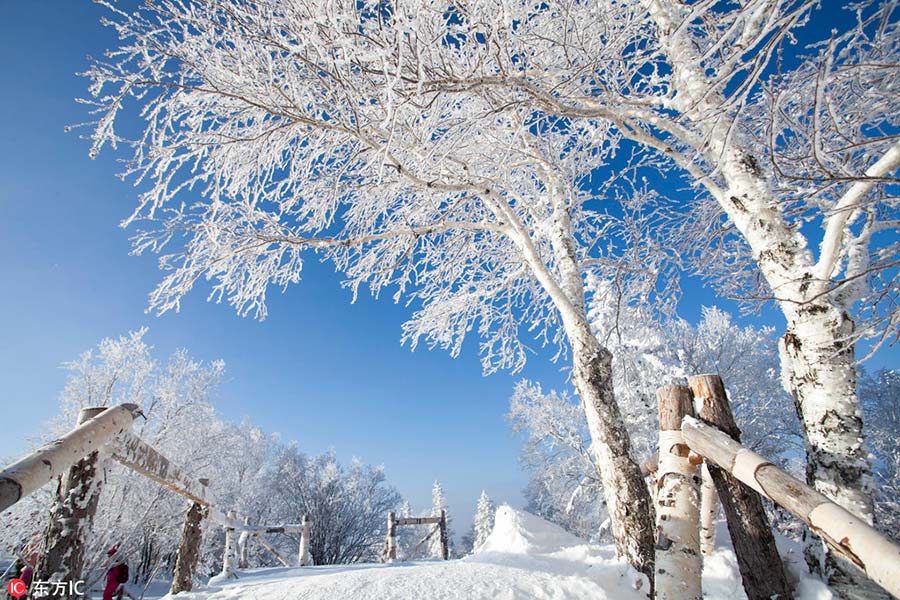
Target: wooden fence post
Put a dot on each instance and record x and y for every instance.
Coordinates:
(243, 546)
(228, 555)
(754, 545)
(189, 549)
(303, 554)
(445, 545)
(678, 560)
(391, 539)
(61, 557)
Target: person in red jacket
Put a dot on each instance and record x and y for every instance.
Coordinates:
(116, 577)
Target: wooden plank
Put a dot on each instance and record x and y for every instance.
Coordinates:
(847, 535)
(418, 521)
(139, 456)
(762, 571)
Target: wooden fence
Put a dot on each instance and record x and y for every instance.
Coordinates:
(77, 460)
(697, 427)
(389, 554)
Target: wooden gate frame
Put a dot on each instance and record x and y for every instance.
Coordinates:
(390, 543)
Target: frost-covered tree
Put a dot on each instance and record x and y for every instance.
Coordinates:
(249, 470)
(880, 394)
(346, 504)
(439, 503)
(484, 519)
(276, 130)
(455, 154)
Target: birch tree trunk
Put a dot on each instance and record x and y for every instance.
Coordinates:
(626, 494)
(61, 557)
(627, 497)
(816, 358)
(819, 369)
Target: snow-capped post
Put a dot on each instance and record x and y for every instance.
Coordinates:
(445, 552)
(709, 509)
(61, 557)
(25, 476)
(189, 550)
(228, 555)
(243, 546)
(678, 560)
(849, 536)
(390, 551)
(751, 535)
(303, 554)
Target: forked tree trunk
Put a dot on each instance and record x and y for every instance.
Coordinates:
(817, 359)
(627, 497)
(678, 561)
(61, 556)
(762, 571)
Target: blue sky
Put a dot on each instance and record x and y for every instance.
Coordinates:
(318, 370)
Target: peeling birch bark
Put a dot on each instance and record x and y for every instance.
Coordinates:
(678, 561)
(847, 535)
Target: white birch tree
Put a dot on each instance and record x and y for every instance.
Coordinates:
(361, 132)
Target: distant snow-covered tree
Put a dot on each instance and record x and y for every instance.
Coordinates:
(249, 470)
(880, 394)
(484, 519)
(439, 503)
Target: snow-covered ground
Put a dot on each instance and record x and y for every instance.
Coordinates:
(524, 558)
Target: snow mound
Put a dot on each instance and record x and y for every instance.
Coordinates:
(519, 532)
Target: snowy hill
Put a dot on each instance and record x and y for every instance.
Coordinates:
(525, 557)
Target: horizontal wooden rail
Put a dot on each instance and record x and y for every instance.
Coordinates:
(136, 454)
(25, 476)
(418, 521)
(849, 536)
